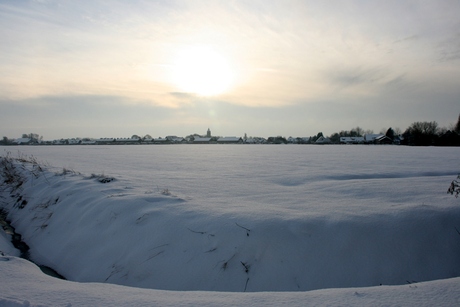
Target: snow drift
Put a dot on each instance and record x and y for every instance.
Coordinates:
(24, 285)
(115, 232)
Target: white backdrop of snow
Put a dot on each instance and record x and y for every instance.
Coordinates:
(23, 284)
(318, 216)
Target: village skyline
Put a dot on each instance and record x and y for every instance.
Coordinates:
(419, 133)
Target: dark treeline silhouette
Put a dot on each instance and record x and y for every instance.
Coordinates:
(417, 134)
(429, 134)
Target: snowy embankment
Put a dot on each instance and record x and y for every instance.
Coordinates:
(23, 284)
(94, 230)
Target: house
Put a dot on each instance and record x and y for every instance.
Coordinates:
(160, 140)
(323, 140)
(23, 141)
(255, 140)
(88, 141)
(147, 138)
(351, 140)
(105, 141)
(175, 139)
(59, 142)
(230, 140)
(370, 138)
(298, 140)
(201, 140)
(74, 141)
(131, 140)
(383, 140)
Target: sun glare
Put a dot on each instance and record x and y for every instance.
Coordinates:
(202, 71)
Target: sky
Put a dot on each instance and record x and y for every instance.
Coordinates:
(265, 68)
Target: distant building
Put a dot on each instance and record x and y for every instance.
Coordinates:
(74, 141)
(105, 141)
(351, 140)
(175, 139)
(298, 140)
(132, 140)
(147, 138)
(208, 133)
(255, 140)
(383, 140)
(370, 138)
(88, 141)
(201, 140)
(230, 140)
(160, 140)
(251, 141)
(323, 140)
(23, 141)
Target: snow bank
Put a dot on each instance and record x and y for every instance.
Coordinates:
(111, 232)
(23, 284)
(6, 247)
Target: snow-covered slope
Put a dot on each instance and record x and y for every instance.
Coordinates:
(291, 227)
(23, 284)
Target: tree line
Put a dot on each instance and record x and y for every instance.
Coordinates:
(417, 134)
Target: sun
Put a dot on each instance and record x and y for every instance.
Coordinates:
(202, 71)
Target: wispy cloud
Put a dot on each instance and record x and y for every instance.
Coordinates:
(449, 49)
(285, 54)
(407, 39)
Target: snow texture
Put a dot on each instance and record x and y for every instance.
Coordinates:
(236, 219)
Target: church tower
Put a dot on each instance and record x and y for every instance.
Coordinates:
(208, 134)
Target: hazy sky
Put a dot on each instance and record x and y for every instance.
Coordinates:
(169, 67)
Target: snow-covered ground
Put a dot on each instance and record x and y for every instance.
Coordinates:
(235, 218)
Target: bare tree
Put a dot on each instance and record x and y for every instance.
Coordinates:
(397, 131)
(422, 133)
(457, 126)
(34, 137)
(368, 131)
(358, 131)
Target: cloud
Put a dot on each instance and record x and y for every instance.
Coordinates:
(77, 115)
(410, 38)
(449, 49)
(183, 95)
(288, 56)
(361, 81)
(357, 76)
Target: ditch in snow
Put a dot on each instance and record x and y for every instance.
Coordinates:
(16, 240)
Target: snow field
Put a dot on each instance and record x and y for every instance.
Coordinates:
(23, 284)
(290, 227)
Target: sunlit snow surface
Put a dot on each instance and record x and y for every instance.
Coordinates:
(287, 180)
(243, 218)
